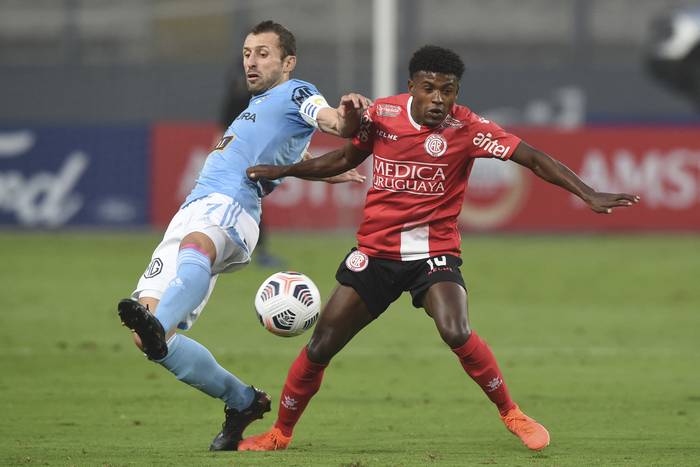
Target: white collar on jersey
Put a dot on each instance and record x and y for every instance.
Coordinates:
(408, 112)
(417, 126)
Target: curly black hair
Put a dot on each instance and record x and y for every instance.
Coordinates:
(436, 59)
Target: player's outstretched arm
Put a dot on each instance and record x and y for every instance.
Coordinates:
(553, 171)
(344, 120)
(351, 175)
(328, 165)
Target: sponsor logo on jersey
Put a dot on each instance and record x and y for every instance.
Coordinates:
(491, 146)
(300, 94)
(388, 110)
(451, 122)
(435, 145)
(247, 116)
(357, 261)
(154, 268)
(224, 142)
(385, 135)
(420, 178)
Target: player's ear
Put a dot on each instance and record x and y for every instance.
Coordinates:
(289, 63)
(411, 86)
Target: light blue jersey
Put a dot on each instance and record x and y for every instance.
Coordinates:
(273, 129)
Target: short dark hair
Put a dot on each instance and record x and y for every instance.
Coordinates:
(436, 59)
(288, 43)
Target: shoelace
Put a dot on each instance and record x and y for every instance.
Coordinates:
(521, 423)
(228, 421)
(273, 438)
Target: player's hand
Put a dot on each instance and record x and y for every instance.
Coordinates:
(605, 202)
(351, 175)
(269, 172)
(353, 103)
(349, 113)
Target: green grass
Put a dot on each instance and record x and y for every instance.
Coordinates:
(598, 337)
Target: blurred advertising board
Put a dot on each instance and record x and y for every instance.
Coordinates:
(56, 176)
(179, 151)
(660, 164)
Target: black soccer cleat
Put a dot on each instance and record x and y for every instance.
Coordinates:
(236, 422)
(137, 318)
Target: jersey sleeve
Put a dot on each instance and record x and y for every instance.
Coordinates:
(490, 140)
(307, 102)
(364, 139)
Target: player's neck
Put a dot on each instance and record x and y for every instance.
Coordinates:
(418, 121)
(414, 118)
(282, 80)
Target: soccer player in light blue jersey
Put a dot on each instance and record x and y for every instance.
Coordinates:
(216, 228)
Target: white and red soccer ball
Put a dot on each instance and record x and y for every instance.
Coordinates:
(288, 303)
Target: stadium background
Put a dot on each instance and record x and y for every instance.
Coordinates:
(108, 110)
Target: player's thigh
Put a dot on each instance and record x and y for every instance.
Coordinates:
(343, 316)
(446, 303)
(162, 269)
(437, 286)
(375, 281)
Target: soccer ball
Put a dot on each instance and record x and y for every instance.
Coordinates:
(288, 303)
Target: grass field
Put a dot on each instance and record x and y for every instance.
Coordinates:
(598, 337)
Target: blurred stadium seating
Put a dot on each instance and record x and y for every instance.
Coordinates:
(67, 67)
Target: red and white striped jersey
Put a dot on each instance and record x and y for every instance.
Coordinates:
(420, 176)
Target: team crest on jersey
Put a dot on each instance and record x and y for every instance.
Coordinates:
(388, 110)
(300, 94)
(357, 261)
(435, 145)
(154, 268)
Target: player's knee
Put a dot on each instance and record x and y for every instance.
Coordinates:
(321, 348)
(455, 335)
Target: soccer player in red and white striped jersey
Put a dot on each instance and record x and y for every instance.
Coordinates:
(423, 146)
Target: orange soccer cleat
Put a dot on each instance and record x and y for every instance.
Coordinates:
(272, 440)
(532, 434)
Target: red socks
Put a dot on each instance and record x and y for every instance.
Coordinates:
(479, 363)
(303, 381)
